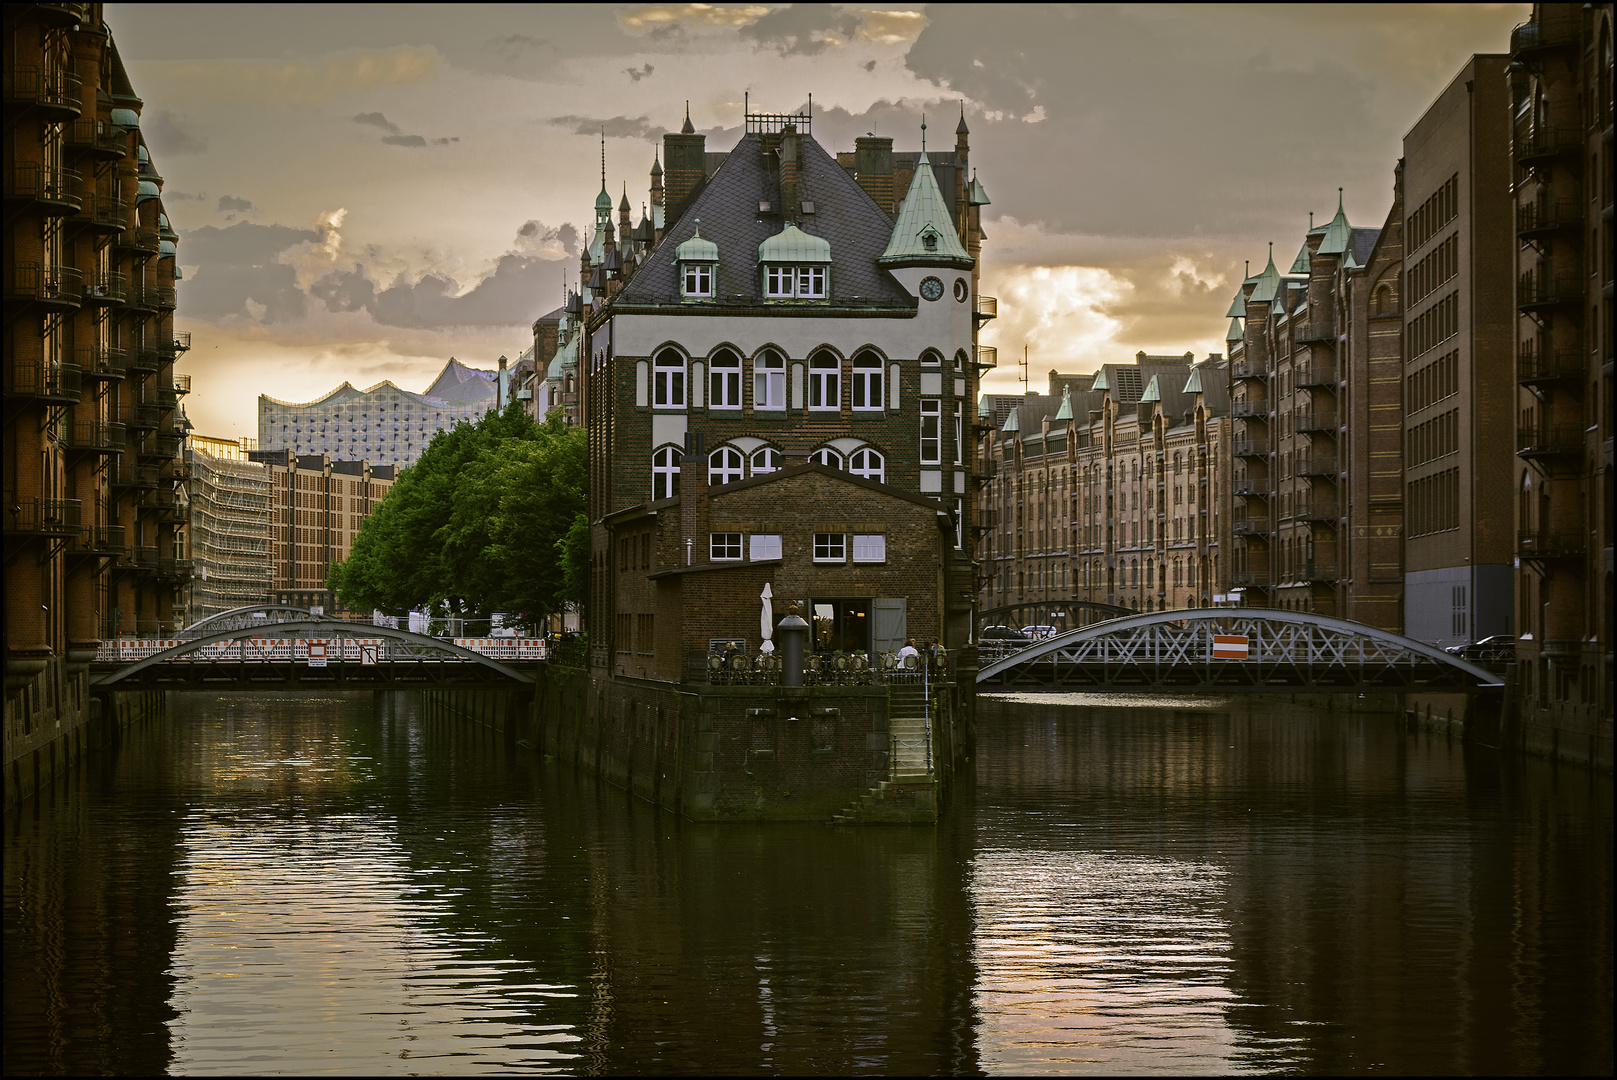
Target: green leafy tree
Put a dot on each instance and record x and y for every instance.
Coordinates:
(472, 528)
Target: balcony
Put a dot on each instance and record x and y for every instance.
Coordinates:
(987, 308)
(144, 298)
(101, 361)
(1316, 331)
(1249, 369)
(1538, 364)
(1550, 544)
(140, 239)
(64, 15)
(1249, 527)
(1549, 441)
(1543, 289)
(1318, 465)
(1319, 571)
(1248, 409)
(182, 341)
(96, 437)
(175, 569)
(1250, 448)
(141, 417)
(182, 384)
(1321, 376)
(1251, 579)
(58, 95)
(143, 558)
(165, 297)
(52, 286)
(98, 137)
(56, 190)
(161, 445)
(1531, 40)
(105, 287)
(1318, 423)
(104, 540)
(1548, 216)
(42, 517)
(1545, 143)
(987, 357)
(1248, 487)
(1318, 511)
(137, 477)
(145, 358)
(45, 380)
(106, 214)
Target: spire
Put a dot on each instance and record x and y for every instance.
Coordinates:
(923, 136)
(1268, 286)
(656, 164)
(1193, 385)
(623, 203)
(975, 195)
(1300, 264)
(1234, 332)
(1101, 381)
(1237, 306)
(1065, 412)
(1338, 234)
(1012, 420)
(924, 232)
(961, 128)
(1152, 395)
(689, 128)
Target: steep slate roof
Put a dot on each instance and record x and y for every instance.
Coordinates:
(845, 216)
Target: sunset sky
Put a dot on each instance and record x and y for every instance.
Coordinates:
(363, 192)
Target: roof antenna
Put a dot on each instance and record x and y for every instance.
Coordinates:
(923, 133)
(603, 157)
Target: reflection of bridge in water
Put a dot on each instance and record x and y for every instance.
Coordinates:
(1229, 650)
(272, 648)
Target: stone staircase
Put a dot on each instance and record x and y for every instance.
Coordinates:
(909, 793)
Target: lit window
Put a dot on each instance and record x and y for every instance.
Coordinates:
(931, 433)
(830, 547)
(668, 380)
(867, 381)
(724, 546)
(665, 473)
(765, 461)
(763, 546)
(724, 381)
(826, 456)
(869, 547)
(698, 279)
(825, 382)
(868, 463)
(724, 466)
(769, 381)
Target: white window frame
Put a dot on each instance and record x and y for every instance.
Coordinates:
(931, 432)
(825, 382)
(725, 466)
(780, 282)
(830, 547)
(769, 381)
(724, 380)
(811, 282)
(766, 460)
(869, 463)
(826, 456)
(665, 472)
(959, 433)
(869, 547)
(724, 547)
(668, 381)
(697, 279)
(867, 382)
(762, 546)
(931, 358)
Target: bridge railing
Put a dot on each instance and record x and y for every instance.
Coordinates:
(282, 649)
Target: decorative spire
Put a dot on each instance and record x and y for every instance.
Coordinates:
(961, 128)
(623, 203)
(923, 133)
(656, 164)
(689, 128)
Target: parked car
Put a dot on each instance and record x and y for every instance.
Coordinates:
(1004, 635)
(1496, 648)
(1038, 632)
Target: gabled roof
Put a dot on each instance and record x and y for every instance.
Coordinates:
(845, 217)
(923, 233)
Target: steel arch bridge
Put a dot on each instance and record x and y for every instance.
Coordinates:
(253, 616)
(309, 653)
(1231, 650)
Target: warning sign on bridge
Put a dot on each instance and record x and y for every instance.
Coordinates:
(317, 654)
(1230, 647)
(367, 655)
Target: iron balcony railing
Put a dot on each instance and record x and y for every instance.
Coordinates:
(141, 417)
(182, 384)
(1251, 579)
(1318, 375)
(106, 287)
(96, 436)
(1548, 216)
(1316, 422)
(1249, 369)
(1249, 527)
(103, 138)
(1544, 288)
(101, 361)
(1549, 440)
(59, 95)
(820, 669)
(1320, 329)
(987, 308)
(44, 380)
(42, 517)
(1248, 409)
(53, 187)
(987, 356)
(1250, 448)
(182, 341)
(140, 239)
(143, 557)
(1550, 544)
(179, 569)
(145, 358)
(58, 286)
(1319, 570)
(106, 213)
(1533, 37)
(1321, 511)
(144, 298)
(1321, 465)
(1537, 362)
(103, 539)
(165, 297)
(1250, 487)
(135, 476)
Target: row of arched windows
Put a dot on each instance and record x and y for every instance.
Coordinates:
(831, 380)
(728, 464)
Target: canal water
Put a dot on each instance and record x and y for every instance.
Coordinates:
(281, 884)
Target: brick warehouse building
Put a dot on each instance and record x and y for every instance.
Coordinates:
(1560, 98)
(91, 397)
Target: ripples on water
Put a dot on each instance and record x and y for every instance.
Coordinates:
(281, 885)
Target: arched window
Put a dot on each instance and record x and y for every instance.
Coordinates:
(668, 380)
(868, 463)
(1190, 574)
(724, 381)
(867, 382)
(665, 473)
(769, 381)
(825, 381)
(960, 360)
(826, 456)
(724, 465)
(766, 460)
(930, 358)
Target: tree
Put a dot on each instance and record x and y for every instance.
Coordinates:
(473, 527)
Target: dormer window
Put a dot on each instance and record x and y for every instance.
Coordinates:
(698, 262)
(698, 279)
(796, 265)
(929, 239)
(795, 282)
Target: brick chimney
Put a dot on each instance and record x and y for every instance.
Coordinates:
(873, 169)
(686, 171)
(788, 173)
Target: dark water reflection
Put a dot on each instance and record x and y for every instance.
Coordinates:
(274, 884)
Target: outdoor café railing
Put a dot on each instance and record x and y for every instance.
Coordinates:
(740, 668)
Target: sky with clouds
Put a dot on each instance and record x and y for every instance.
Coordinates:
(362, 196)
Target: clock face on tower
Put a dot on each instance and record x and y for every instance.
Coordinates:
(931, 288)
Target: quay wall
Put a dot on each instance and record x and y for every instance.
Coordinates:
(53, 719)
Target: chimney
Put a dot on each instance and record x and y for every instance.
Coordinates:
(788, 173)
(685, 153)
(693, 499)
(873, 169)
